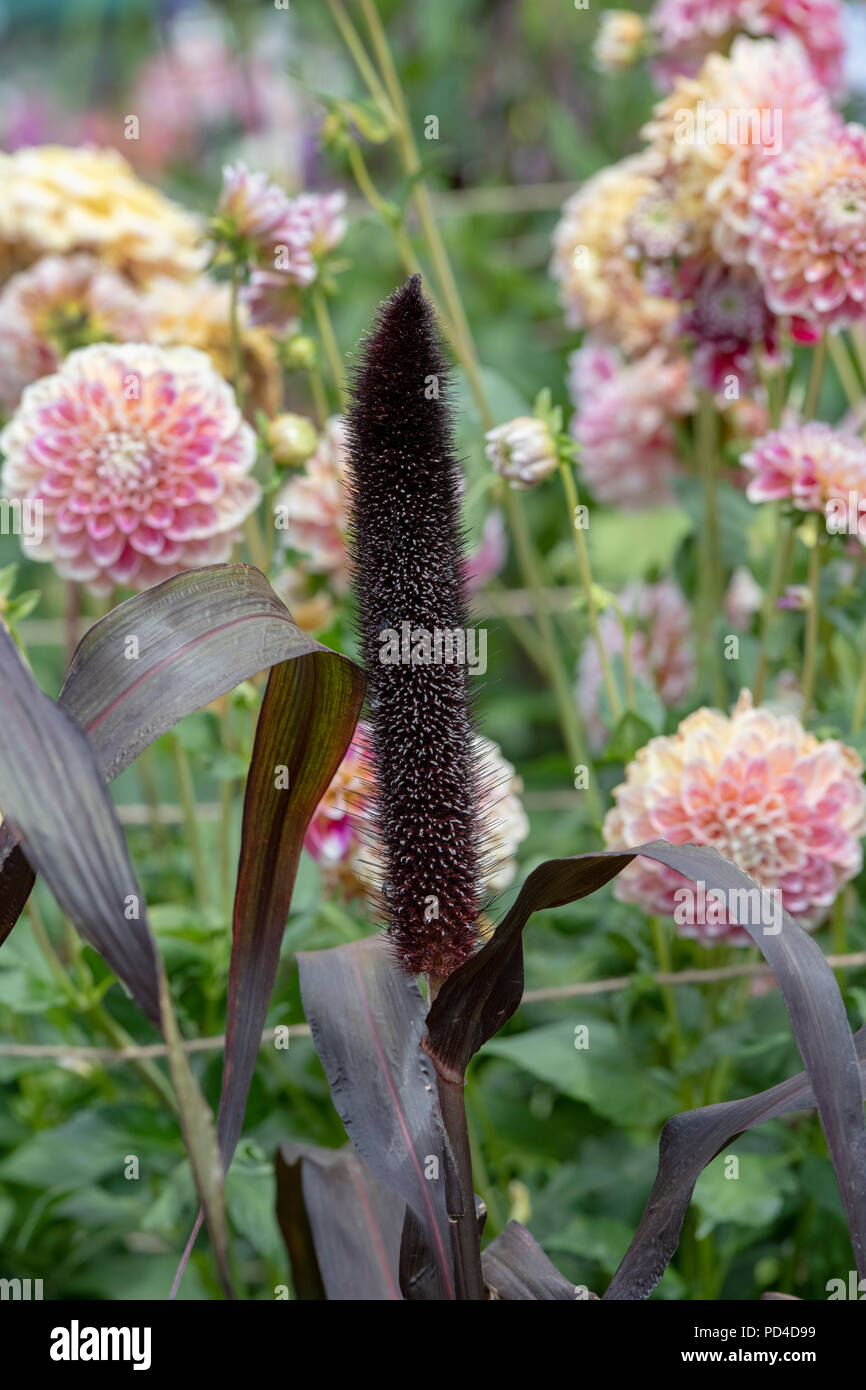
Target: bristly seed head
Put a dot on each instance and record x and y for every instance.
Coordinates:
(407, 550)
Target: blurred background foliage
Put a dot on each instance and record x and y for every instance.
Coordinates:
(566, 1145)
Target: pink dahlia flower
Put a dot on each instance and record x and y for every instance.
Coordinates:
(624, 423)
(57, 304)
(660, 647)
(808, 237)
(140, 460)
(686, 30)
(816, 467)
(779, 803)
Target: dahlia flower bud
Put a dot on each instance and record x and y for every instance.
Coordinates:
(291, 439)
(523, 451)
(619, 40)
(299, 353)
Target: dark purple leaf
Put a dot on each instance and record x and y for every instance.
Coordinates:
(56, 803)
(341, 1226)
(688, 1143)
(367, 1018)
(516, 1269)
(305, 725)
(481, 995)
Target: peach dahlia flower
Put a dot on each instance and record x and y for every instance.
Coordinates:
(774, 799)
(140, 460)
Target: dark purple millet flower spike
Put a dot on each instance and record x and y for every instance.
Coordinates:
(407, 547)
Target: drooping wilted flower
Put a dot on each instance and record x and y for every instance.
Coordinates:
(660, 647)
(784, 806)
(405, 489)
(814, 466)
(624, 423)
(140, 461)
(808, 234)
(523, 451)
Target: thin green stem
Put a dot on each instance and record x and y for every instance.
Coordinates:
(813, 391)
(710, 551)
(329, 342)
(186, 789)
(781, 563)
(811, 643)
(320, 396)
(845, 370)
(585, 571)
(354, 43)
(665, 963)
(860, 699)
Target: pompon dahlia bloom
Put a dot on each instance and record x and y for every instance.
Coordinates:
(808, 236)
(813, 465)
(600, 285)
(310, 509)
(57, 199)
(779, 803)
(624, 423)
(716, 131)
(58, 304)
(660, 647)
(685, 31)
(341, 836)
(140, 459)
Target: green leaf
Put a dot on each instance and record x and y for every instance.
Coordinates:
(602, 1074)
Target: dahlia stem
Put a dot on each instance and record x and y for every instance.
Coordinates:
(354, 43)
(585, 571)
(858, 339)
(811, 644)
(320, 396)
(258, 552)
(663, 956)
(781, 561)
(813, 391)
(845, 370)
(186, 788)
(860, 700)
(329, 342)
(710, 558)
(385, 210)
(73, 617)
(565, 700)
